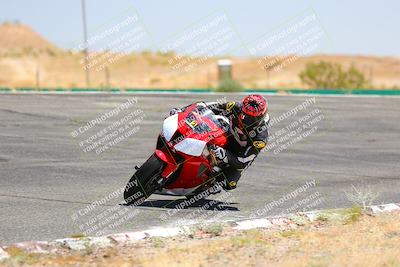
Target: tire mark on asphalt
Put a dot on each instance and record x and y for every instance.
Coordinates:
(50, 199)
(337, 173)
(29, 114)
(76, 202)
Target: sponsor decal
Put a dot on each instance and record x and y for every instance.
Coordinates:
(259, 144)
(230, 106)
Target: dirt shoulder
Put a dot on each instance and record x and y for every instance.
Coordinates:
(347, 239)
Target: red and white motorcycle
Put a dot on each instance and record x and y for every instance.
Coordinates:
(183, 163)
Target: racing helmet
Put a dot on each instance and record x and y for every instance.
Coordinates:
(254, 111)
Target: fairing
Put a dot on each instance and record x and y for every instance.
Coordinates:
(187, 136)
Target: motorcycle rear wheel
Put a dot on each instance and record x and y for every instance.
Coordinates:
(144, 181)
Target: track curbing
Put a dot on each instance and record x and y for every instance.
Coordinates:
(285, 221)
(3, 254)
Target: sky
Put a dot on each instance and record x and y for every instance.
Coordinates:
(354, 27)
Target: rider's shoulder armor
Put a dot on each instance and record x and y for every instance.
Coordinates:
(232, 109)
(232, 106)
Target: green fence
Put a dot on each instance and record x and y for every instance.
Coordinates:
(209, 90)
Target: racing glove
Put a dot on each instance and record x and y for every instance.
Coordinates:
(174, 111)
(220, 154)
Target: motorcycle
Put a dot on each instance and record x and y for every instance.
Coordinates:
(183, 163)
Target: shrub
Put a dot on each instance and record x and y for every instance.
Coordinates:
(331, 75)
(353, 214)
(213, 229)
(229, 85)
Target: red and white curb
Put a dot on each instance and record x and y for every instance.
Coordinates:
(83, 243)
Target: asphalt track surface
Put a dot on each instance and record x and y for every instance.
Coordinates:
(47, 181)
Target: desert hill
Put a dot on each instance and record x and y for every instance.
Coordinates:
(19, 37)
(27, 59)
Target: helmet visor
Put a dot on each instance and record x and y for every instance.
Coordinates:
(251, 121)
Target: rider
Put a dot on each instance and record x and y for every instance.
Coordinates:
(248, 134)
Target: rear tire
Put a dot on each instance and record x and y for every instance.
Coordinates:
(144, 181)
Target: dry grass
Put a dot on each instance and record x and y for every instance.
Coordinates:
(62, 69)
(354, 240)
(23, 52)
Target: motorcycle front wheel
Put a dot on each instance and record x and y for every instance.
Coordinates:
(144, 182)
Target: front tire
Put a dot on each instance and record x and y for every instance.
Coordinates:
(144, 181)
